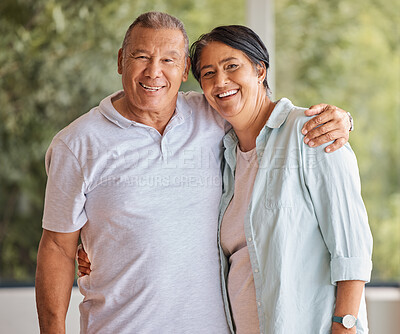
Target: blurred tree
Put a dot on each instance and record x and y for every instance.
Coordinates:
(347, 53)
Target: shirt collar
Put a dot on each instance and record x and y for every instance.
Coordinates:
(182, 111)
(279, 114)
(109, 112)
(276, 119)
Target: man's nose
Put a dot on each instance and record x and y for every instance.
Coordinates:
(153, 69)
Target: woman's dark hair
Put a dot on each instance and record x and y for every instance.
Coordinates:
(236, 36)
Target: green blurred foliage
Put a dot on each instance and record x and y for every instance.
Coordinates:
(58, 60)
(347, 53)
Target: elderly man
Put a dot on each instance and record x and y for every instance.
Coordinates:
(138, 178)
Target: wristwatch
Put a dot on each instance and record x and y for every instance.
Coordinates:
(348, 321)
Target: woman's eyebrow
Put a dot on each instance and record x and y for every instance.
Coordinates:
(205, 66)
(227, 59)
(220, 62)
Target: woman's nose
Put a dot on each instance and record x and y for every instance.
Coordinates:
(221, 79)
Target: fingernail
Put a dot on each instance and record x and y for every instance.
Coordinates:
(328, 150)
(306, 140)
(311, 143)
(304, 131)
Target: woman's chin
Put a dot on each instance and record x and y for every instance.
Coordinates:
(228, 113)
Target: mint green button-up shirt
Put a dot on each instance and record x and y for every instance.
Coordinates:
(306, 227)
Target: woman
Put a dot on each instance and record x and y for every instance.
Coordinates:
(295, 243)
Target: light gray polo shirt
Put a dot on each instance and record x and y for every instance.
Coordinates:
(148, 209)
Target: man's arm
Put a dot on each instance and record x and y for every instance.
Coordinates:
(331, 124)
(55, 273)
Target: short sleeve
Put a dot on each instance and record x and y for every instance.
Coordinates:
(64, 208)
(334, 185)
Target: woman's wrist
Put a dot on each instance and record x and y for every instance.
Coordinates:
(340, 329)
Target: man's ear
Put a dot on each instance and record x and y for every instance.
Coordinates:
(120, 59)
(187, 69)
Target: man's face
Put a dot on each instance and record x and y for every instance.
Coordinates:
(152, 66)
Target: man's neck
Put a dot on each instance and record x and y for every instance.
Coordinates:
(155, 119)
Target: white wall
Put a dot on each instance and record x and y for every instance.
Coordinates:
(18, 311)
(383, 307)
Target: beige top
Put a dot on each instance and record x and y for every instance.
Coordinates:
(240, 283)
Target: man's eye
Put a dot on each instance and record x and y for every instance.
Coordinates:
(168, 61)
(141, 57)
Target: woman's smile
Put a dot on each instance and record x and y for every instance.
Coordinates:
(227, 94)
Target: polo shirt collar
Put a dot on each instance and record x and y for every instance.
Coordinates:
(182, 111)
(109, 112)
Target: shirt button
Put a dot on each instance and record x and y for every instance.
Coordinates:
(249, 239)
(256, 270)
(258, 303)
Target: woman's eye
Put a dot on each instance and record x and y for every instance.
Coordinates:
(232, 66)
(207, 74)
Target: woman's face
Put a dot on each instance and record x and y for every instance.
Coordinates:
(230, 81)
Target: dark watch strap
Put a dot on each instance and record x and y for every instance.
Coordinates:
(337, 319)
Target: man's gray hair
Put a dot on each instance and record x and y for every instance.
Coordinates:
(158, 20)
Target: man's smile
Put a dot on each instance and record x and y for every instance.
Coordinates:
(151, 88)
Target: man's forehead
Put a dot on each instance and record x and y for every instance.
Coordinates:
(158, 33)
(148, 39)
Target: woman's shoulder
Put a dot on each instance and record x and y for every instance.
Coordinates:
(295, 114)
(287, 119)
